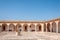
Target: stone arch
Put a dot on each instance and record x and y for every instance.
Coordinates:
(58, 27)
(19, 27)
(11, 27)
(4, 26)
(53, 27)
(48, 27)
(38, 27)
(25, 26)
(32, 27)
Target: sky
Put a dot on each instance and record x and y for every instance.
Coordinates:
(29, 9)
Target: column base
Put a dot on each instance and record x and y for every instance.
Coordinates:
(16, 33)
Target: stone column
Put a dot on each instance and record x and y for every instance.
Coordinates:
(16, 29)
(28, 27)
(46, 28)
(22, 27)
(1, 28)
(50, 26)
(35, 28)
(56, 26)
(42, 27)
(7, 27)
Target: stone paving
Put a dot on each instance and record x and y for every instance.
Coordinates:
(29, 36)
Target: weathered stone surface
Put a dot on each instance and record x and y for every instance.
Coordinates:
(29, 36)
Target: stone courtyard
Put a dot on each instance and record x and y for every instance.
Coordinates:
(29, 36)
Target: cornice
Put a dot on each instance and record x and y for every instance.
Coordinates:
(28, 21)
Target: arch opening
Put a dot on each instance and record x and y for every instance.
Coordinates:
(32, 27)
(4, 27)
(53, 27)
(11, 27)
(19, 27)
(58, 27)
(48, 27)
(38, 27)
(25, 27)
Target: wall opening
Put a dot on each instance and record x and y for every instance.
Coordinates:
(53, 27)
(4, 27)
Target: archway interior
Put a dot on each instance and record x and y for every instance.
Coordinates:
(32, 27)
(25, 27)
(44, 27)
(53, 27)
(48, 27)
(19, 28)
(38, 27)
(4, 27)
(59, 27)
(11, 27)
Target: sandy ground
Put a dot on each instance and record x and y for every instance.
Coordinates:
(29, 36)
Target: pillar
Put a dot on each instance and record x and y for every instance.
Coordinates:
(15, 27)
(42, 27)
(7, 27)
(28, 27)
(56, 26)
(50, 26)
(1, 28)
(35, 28)
(16, 30)
(46, 28)
(22, 27)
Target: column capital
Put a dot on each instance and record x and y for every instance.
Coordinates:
(15, 24)
(28, 24)
(51, 22)
(0, 23)
(56, 22)
(42, 24)
(8, 23)
(22, 24)
(46, 23)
